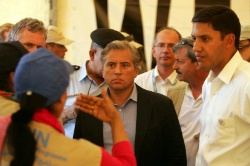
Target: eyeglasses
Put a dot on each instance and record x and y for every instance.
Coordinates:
(244, 46)
(161, 46)
(187, 42)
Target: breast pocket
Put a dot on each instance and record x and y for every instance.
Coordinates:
(223, 130)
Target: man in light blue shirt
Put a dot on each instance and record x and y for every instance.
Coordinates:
(88, 79)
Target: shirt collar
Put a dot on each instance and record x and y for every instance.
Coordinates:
(8, 95)
(172, 78)
(190, 94)
(43, 115)
(156, 73)
(228, 71)
(133, 95)
(83, 72)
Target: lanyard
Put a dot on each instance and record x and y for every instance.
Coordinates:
(153, 79)
(154, 82)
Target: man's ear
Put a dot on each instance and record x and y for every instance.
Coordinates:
(46, 46)
(92, 54)
(153, 52)
(137, 70)
(102, 72)
(11, 77)
(230, 40)
(197, 66)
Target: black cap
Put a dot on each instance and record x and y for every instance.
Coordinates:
(10, 54)
(103, 36)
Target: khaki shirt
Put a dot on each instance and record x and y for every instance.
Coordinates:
(53, 148)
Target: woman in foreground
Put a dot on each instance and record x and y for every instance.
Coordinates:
(34, 136)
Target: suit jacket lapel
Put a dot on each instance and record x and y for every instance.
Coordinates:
(144, 111)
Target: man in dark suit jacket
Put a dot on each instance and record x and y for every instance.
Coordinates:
(158, 139)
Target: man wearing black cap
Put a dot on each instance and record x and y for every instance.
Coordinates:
(88, 79)
(10, 54)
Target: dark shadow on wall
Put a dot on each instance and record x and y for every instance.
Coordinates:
(132, 21)
(101, 10)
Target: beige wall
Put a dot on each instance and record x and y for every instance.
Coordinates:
(76, 18)
(14, 10)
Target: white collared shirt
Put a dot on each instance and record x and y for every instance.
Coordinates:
(225, 117)
(190, 125)
(80, 82)
(152, 81)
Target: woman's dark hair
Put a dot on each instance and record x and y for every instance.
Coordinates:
(5, 83)
(19, 135)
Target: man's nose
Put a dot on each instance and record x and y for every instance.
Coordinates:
(197, 46)
(175, 66)
(117, 69)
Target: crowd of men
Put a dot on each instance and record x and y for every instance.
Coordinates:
(191, 109)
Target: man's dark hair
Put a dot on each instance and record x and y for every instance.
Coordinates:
(221, 19)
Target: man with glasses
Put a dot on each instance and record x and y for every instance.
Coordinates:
(187, 96)
(244, 46)
(163, 75)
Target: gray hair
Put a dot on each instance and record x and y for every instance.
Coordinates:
(188, 44)
(33, 25)
(122, 45)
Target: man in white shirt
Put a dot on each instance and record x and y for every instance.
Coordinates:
(187, 96)
(163, 75)
(88, 79)
(244, 47)
(225, 116)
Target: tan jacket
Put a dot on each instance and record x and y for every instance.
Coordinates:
(176, 94)
(53, 148)
(7, 106)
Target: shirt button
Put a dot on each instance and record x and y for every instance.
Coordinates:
(196, 137)
(221, 122)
